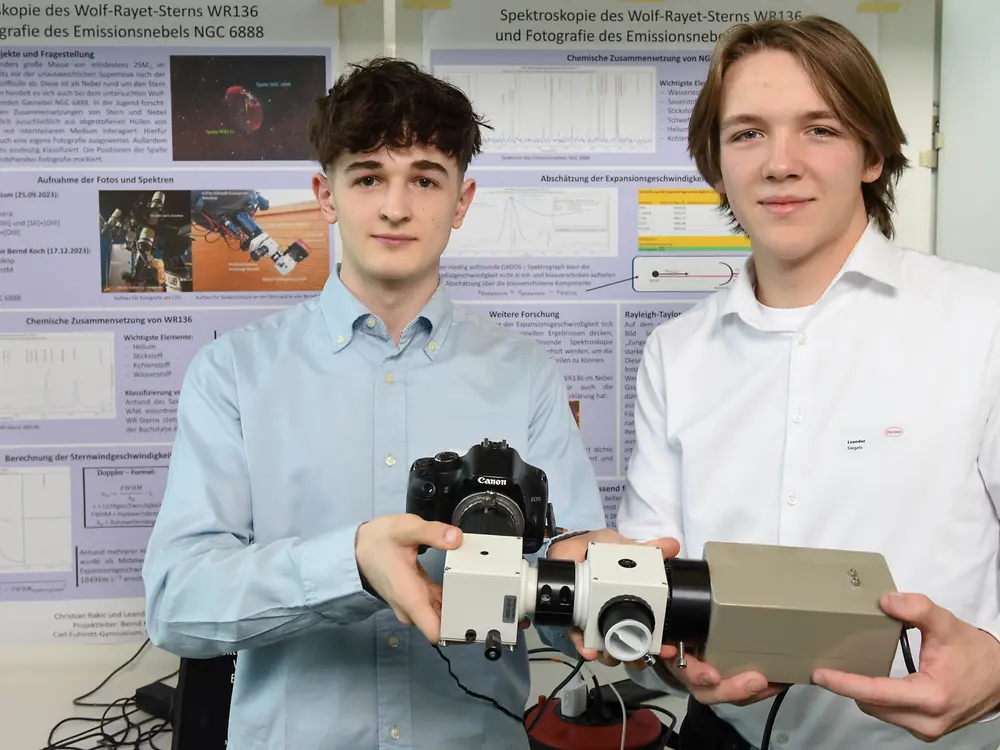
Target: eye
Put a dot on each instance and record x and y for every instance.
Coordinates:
(821, 130)
(366, 181)
(426, 182)
(744, 136)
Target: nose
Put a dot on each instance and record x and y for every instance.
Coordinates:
(784, 160)
(396, 203)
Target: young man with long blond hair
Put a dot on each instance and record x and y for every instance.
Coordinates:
(833, 338)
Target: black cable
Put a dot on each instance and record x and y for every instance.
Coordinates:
(766, 741)
(904, 644)
(102, 734)
(486, 698)
(78, 701)
(593, 677)
(658, 709)
(555, 690)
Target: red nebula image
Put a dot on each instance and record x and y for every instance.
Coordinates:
(245, 110)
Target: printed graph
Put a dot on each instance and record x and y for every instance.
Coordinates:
(57, 376)
(35, 521)
(680, 273)
(540, 222)
(564, 109)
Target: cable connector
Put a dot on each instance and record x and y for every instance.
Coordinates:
(573, 697)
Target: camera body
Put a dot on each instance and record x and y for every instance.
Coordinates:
(489, 490)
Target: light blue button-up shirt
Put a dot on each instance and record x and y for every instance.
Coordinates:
(294, 430)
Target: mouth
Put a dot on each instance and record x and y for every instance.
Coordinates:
(784, 205)
(394, 240)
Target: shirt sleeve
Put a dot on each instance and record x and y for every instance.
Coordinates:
(210, 589)
(651, 505)
(556, 446)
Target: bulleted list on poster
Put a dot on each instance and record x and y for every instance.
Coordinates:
(102, 377)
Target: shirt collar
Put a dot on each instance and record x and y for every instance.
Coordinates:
(874, 257)
(343, 312)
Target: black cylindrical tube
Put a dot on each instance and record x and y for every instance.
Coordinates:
(624, 608)
(555, 593)
(489, 521)
(689, 606)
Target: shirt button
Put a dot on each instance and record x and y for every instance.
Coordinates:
(432, 346)
(792, 500)
(797, 417)
(370, 322)
(395, 733)
(390, 461)
(388, 377)
(341, 339)
(393, 641)
(781, 739)
(802, 339)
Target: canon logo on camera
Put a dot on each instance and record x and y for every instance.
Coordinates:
(490, 480)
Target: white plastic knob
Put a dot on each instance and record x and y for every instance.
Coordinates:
(628, 640)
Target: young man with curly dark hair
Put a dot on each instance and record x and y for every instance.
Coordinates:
(283, 535)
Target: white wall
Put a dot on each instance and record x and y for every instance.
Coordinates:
(970, 109)
(908, 61)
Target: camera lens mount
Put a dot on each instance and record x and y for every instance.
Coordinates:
(489, 512)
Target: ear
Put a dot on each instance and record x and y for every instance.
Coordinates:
(324, 197)
(465, 195)
(720, 187)
(873, 171)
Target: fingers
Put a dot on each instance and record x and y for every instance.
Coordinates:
(917, 610)
(696, 674)
(916, 691)
(668, 545)
(421, 605)
(411, 530)
(708, 686)
(922, 726)
(668, 652)
(589, 654)
(748, 687)
(575, 548)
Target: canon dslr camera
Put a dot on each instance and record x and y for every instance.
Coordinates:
(489, 490)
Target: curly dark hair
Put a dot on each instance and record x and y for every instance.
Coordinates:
(390, 102)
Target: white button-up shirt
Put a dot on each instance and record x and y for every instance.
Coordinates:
(869, 420)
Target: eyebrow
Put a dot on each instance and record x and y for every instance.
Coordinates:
(748, 119)
(420, 164)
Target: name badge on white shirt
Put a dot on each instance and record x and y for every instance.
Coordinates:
(872, 440)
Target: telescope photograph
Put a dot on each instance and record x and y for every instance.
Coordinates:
(258, 241)
(243, 107)
(145, 238)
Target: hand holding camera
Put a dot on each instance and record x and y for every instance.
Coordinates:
(385, 549)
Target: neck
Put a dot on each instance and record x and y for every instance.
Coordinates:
(395, 303)
(801, 282)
